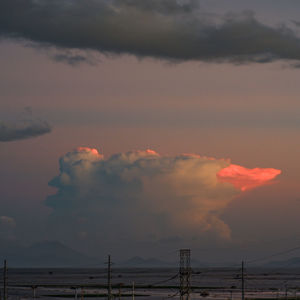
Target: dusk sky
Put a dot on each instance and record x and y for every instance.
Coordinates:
(139, 127)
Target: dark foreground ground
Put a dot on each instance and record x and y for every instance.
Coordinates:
(209, 283)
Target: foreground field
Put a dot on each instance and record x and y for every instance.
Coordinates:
(209, 283)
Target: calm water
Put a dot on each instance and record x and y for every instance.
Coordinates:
(206, 283)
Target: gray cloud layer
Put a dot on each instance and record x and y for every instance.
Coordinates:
(23, 130)
(164, 29)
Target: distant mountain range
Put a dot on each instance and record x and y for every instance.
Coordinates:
(55, 254)
(42, 254)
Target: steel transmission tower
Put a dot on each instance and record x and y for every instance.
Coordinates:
(109, 263)
(185, 274)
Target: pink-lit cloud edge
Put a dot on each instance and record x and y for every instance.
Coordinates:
(240, 177)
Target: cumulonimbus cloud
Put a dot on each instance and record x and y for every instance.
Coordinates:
(27, 127)
(164, 29)
(143, 193)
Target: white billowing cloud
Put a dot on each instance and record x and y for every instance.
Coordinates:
(142, 194)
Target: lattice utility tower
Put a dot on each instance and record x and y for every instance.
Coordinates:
(185, 274)
(109, 263)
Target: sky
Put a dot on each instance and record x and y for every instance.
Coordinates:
(142, 127)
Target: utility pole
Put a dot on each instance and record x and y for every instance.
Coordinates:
(120, 291)
(5, 281)
(243, 282)
(109, 278)
(133, 290)
(185, 273)
(34, 287)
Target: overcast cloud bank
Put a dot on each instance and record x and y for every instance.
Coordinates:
(163, 29)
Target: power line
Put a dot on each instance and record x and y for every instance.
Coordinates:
(172, 296)
(273, 255)
(166, 280)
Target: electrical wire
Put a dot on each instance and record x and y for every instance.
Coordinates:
(273, 255)
(172, 296)
(163, 281)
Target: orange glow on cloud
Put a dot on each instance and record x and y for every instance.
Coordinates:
(240, 177)
(246, 179)
(151, 152)
(87, 149)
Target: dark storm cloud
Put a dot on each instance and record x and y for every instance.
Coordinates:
(27, 127)
(12, 132)
(72, 60)
(162, 6)
(164, 29)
